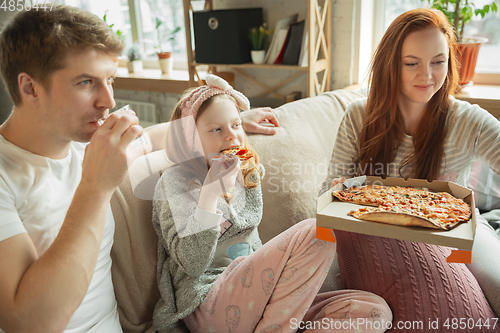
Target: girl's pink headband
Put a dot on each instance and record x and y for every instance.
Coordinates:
(215, 86)
(192, 102)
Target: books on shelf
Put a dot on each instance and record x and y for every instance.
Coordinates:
(290, 42)
(304, 50)
(293, 96)
(279, 38)
(279, 43)
(293, 44)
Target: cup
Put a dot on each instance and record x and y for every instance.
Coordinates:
(102, 120)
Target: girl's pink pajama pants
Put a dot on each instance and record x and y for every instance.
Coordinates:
(275, 290)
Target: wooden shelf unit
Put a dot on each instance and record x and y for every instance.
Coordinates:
(319, 54)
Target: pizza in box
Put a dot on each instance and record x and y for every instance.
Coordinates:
(406, 206)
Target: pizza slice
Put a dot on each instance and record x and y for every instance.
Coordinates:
(241, 152)
(406, 206)
(369, 195)
(409, 217)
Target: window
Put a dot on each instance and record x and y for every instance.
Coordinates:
(116, 11)
(375, 18)
(171, 15)
(393, 8)
(487, 60)
(489, 27)
(139, 25)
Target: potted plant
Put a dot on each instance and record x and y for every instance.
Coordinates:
(134, 55)
(459, 13)
(257, 37)
(164, 57)
(118, 32)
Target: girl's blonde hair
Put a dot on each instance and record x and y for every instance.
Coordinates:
(178, 152)
(382, 131)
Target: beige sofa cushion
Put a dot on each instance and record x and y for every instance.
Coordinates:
(296, 161)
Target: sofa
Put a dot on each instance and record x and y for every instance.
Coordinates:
(296, 161)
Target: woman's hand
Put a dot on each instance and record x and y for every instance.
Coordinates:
(335, 181)
(259, 121)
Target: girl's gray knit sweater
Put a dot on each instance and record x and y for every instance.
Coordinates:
(186, 249)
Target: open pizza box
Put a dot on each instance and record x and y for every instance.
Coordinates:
(332, 214)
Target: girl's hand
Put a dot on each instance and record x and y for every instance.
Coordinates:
(335, 181)
(220, 178)
(222, 175)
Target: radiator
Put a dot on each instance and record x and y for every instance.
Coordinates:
(146, 112)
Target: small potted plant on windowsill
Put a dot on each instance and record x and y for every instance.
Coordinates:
(164, 57)
(257, 37)
(134, 55)
(118, 32)
(459, 13)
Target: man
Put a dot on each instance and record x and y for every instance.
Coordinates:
(56, 226)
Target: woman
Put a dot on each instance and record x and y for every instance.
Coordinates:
(410, 126)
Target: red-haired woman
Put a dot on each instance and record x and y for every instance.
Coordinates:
(411, 127)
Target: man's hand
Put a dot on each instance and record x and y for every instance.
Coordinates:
(41, 294)
(105, 162)
(253, 118)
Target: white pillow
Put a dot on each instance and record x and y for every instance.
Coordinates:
(486, 185)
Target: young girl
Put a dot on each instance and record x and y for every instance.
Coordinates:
(410, 126)
(213, 272)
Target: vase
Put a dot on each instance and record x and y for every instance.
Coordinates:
(166, 62)
(166, 65)
(467, 52)
(258, 56)
(135, 66)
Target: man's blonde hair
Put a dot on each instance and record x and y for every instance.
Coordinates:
(37, 42)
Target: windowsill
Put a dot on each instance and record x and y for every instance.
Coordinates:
(152, 80)
(486, 96)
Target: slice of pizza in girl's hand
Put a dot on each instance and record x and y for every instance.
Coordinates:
(406, 206)
(227, 157)
(241, 152)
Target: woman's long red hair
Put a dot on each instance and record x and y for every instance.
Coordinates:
(382, 131)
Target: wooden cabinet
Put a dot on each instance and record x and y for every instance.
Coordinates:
(318, 70)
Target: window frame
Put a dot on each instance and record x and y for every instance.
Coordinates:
(136, 28)
(377, 12)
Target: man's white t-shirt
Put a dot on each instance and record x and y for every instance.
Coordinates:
(35, 194)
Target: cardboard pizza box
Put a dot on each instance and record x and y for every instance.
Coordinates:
(332, 214)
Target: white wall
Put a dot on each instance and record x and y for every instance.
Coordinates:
(344, 44)
(346, 16)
